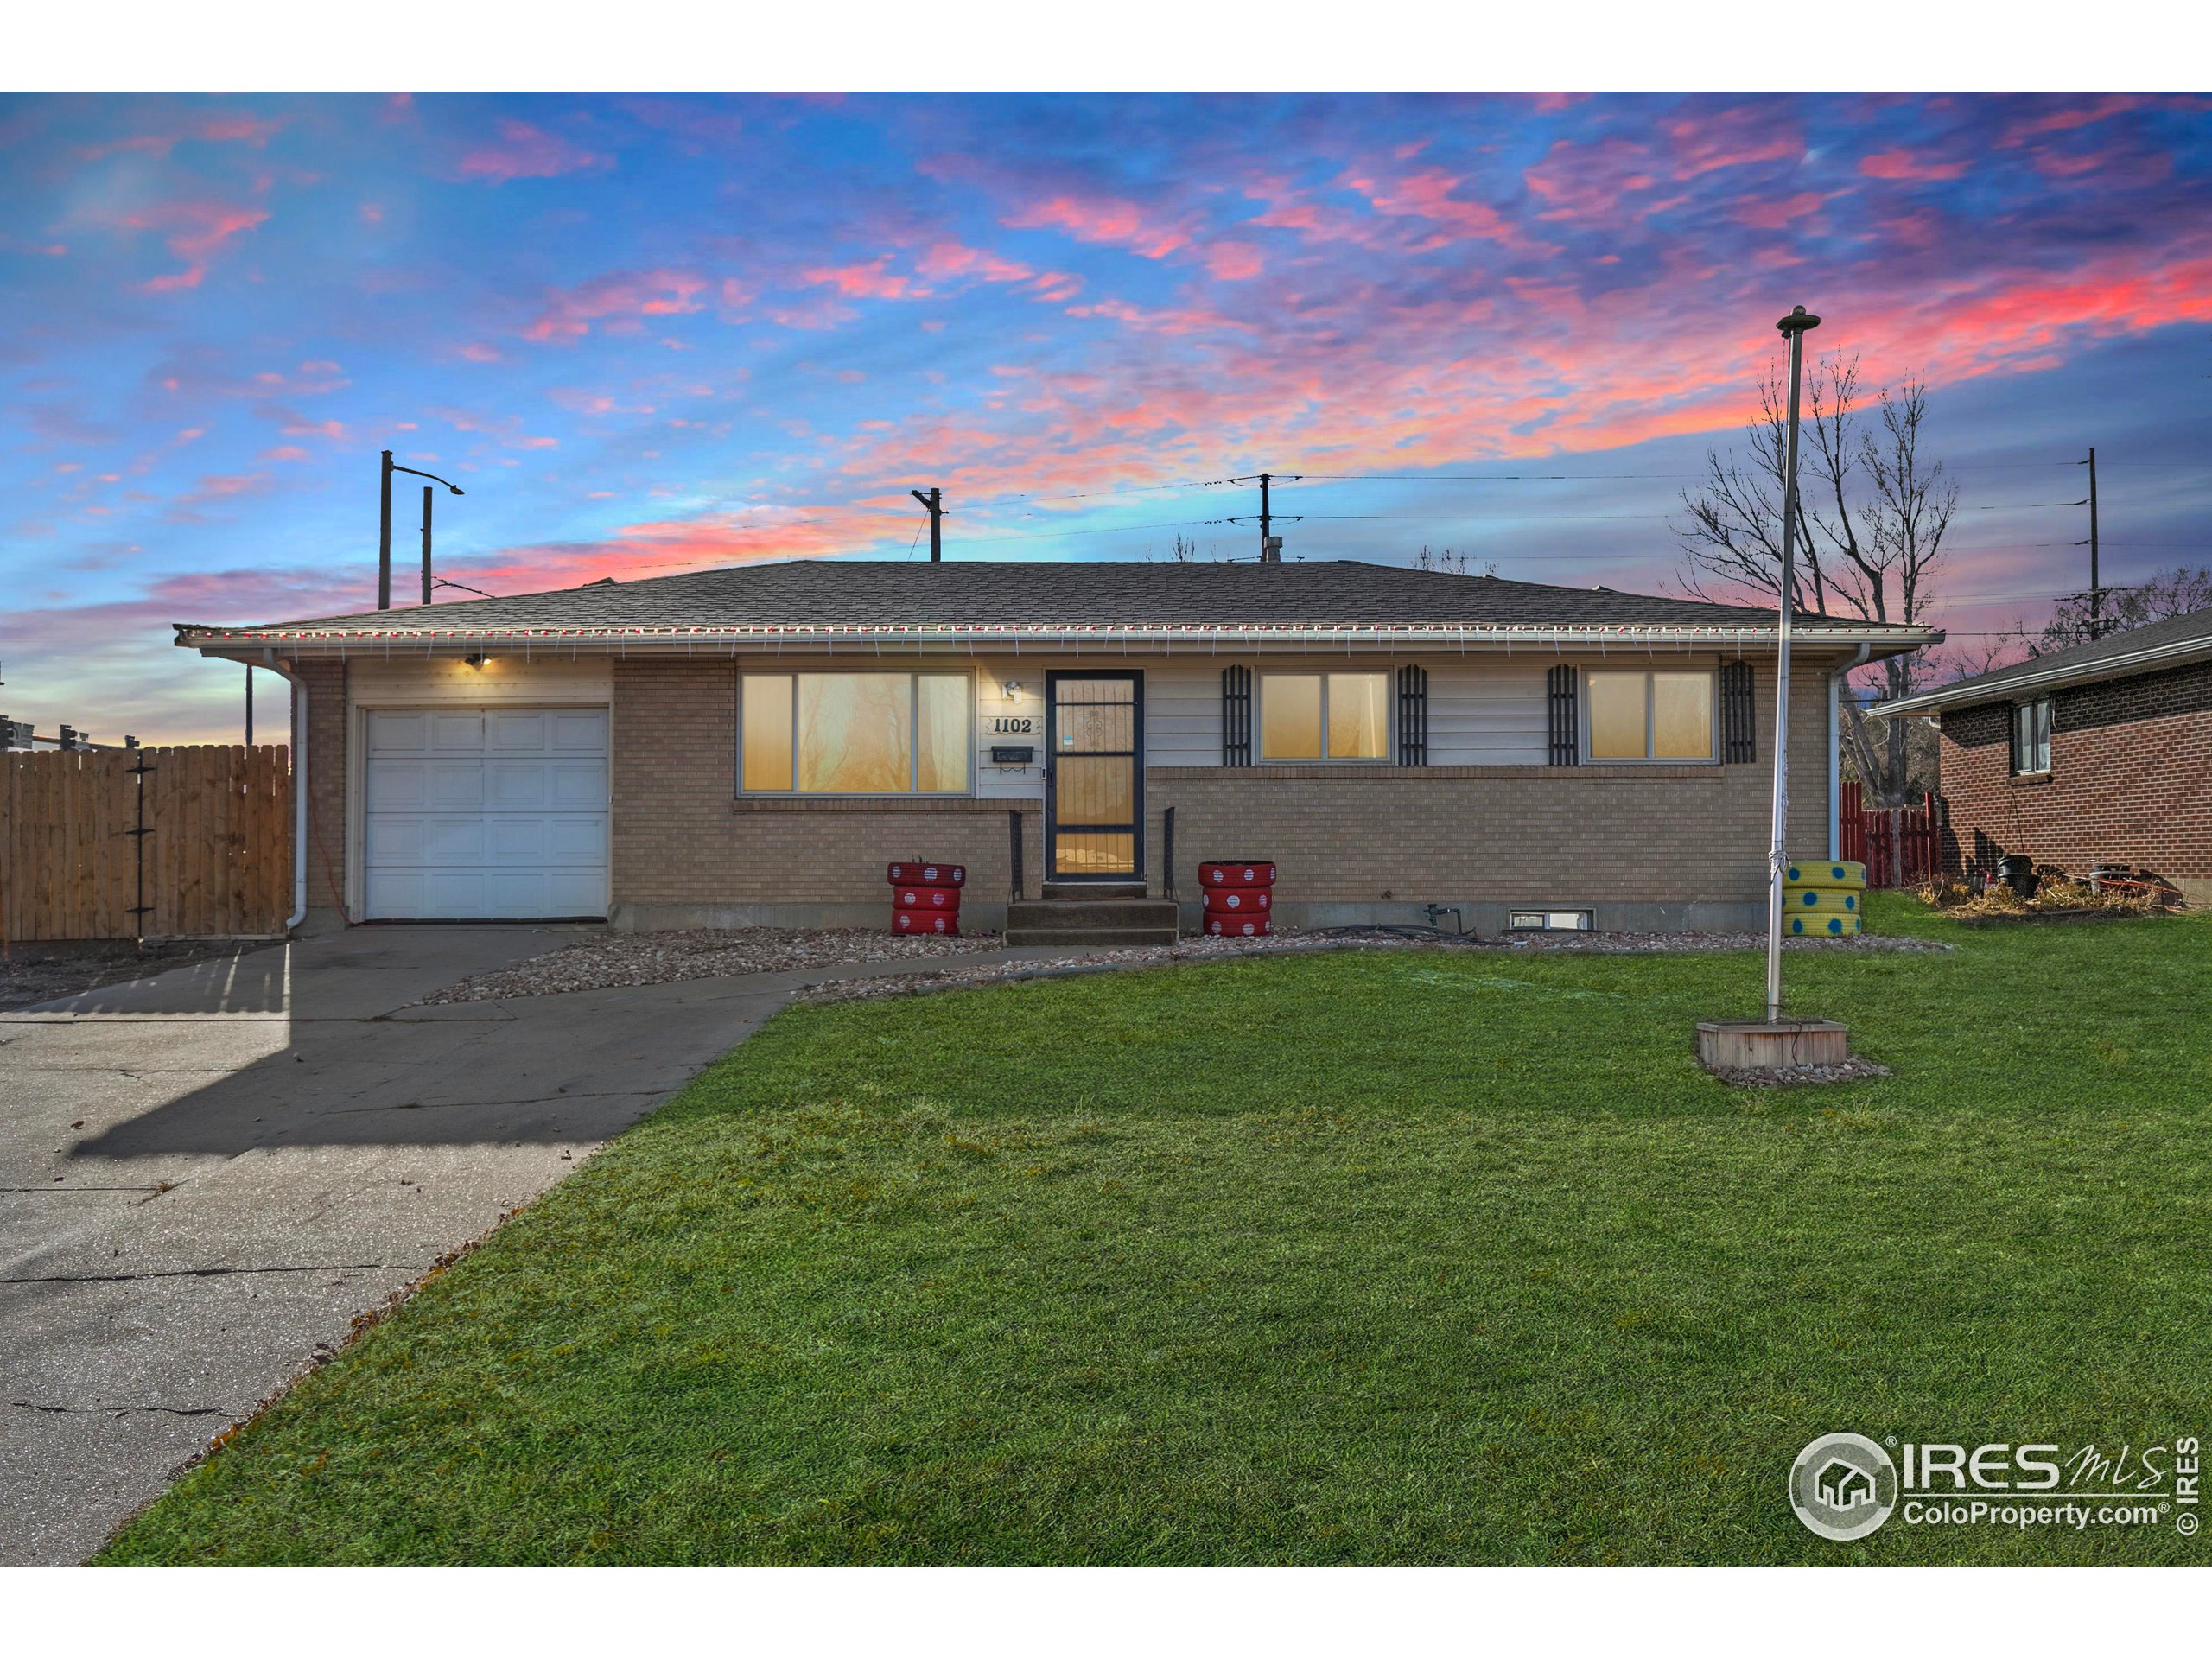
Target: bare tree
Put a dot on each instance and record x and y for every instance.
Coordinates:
(2173, 593)
(1184, 551)
(1452, 564)
(1872, 512)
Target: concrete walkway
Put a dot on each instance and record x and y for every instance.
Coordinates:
(207, 1175)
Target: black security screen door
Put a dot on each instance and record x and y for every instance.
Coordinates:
(1094, 783)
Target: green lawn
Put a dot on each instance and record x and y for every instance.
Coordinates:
(1357, 1257)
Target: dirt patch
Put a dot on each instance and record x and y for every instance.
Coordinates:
(31, 974)
(1853, 1070)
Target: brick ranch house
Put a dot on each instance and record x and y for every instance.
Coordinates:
(2101, 754)
(751, 745)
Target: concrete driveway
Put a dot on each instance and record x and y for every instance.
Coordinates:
(205, 1176)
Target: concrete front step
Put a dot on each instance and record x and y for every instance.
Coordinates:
(1087, 937)
(1091, 890)
(1092, 912)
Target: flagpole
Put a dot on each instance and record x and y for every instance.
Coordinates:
(1794, 329)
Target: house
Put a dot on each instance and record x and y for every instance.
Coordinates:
(1844, 1486)
(2099, 754)
(753, 745)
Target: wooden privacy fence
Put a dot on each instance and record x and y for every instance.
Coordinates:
(190, 842)
(1900, 846)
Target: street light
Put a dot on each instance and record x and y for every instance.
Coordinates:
(384, 533)
(1794, 327)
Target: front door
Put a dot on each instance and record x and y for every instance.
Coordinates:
(1094, 776)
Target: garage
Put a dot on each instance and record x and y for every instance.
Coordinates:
(486, 815)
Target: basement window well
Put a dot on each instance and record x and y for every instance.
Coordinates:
(1548, 921)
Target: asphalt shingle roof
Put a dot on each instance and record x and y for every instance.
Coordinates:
(2076, 662)
(845, 594)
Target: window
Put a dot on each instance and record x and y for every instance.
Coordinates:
(1325, 716)
(1658, 714)
(853, 733)
(2032, 737)
(1548, 921)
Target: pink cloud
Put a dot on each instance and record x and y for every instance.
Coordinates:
(1732, 137)
(1101, 218)
(1775, 215)
(1233, 262)
(868, 281)
(1903, 164)
(194, 232)
(1429, 194)
(621, 294)
(946, 260)
(284, 452)
(523, 152)
(477, 352)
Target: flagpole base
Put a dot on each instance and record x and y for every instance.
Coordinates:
(1770, 1044)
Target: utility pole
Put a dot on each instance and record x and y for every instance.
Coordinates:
(1794, 327)
(249, 705)
(2096, 590)
(933, 499)
(384, 529)
(1269, 553)
(383, 540)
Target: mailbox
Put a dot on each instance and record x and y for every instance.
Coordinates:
(1014, 754)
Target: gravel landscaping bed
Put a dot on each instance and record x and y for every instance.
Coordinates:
(610, 960)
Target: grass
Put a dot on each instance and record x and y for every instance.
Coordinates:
(1361, 1257)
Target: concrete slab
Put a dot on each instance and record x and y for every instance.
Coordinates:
(205, 1174)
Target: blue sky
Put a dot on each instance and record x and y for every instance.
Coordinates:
(649, 334)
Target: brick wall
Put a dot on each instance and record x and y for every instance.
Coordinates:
(2130, 780)
(680, 838)
(1368, 838)
(327, 768)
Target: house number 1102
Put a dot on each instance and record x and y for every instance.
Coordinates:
(1013, 725)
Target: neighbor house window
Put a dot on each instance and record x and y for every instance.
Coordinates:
(1325, 716)
(1649, 715)
(853, 733)
(2031, 737)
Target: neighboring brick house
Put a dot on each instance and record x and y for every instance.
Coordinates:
(753, 745)
(2102, 754)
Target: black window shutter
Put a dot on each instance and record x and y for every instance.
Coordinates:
(1235, 716)
(1738, 715)
(1413, 716)
(1566, 744)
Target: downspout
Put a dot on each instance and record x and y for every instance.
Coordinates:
(1836, 677)
(299, 787)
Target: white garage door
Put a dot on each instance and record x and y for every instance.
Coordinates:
(483, 813)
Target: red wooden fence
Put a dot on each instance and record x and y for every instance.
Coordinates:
(1900, 846)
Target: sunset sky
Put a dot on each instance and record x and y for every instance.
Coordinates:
(649, 334)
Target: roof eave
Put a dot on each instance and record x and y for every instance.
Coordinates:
(2176, 654)
(225, 642)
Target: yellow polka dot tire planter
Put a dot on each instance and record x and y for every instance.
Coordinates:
(1826, 873)
(1825, 924)
(1820, 901)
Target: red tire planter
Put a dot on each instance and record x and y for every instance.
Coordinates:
(925, 921)
(1236, 872)
(1237, 927)
(925, 897)
(1239, 901)
(916, 872)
